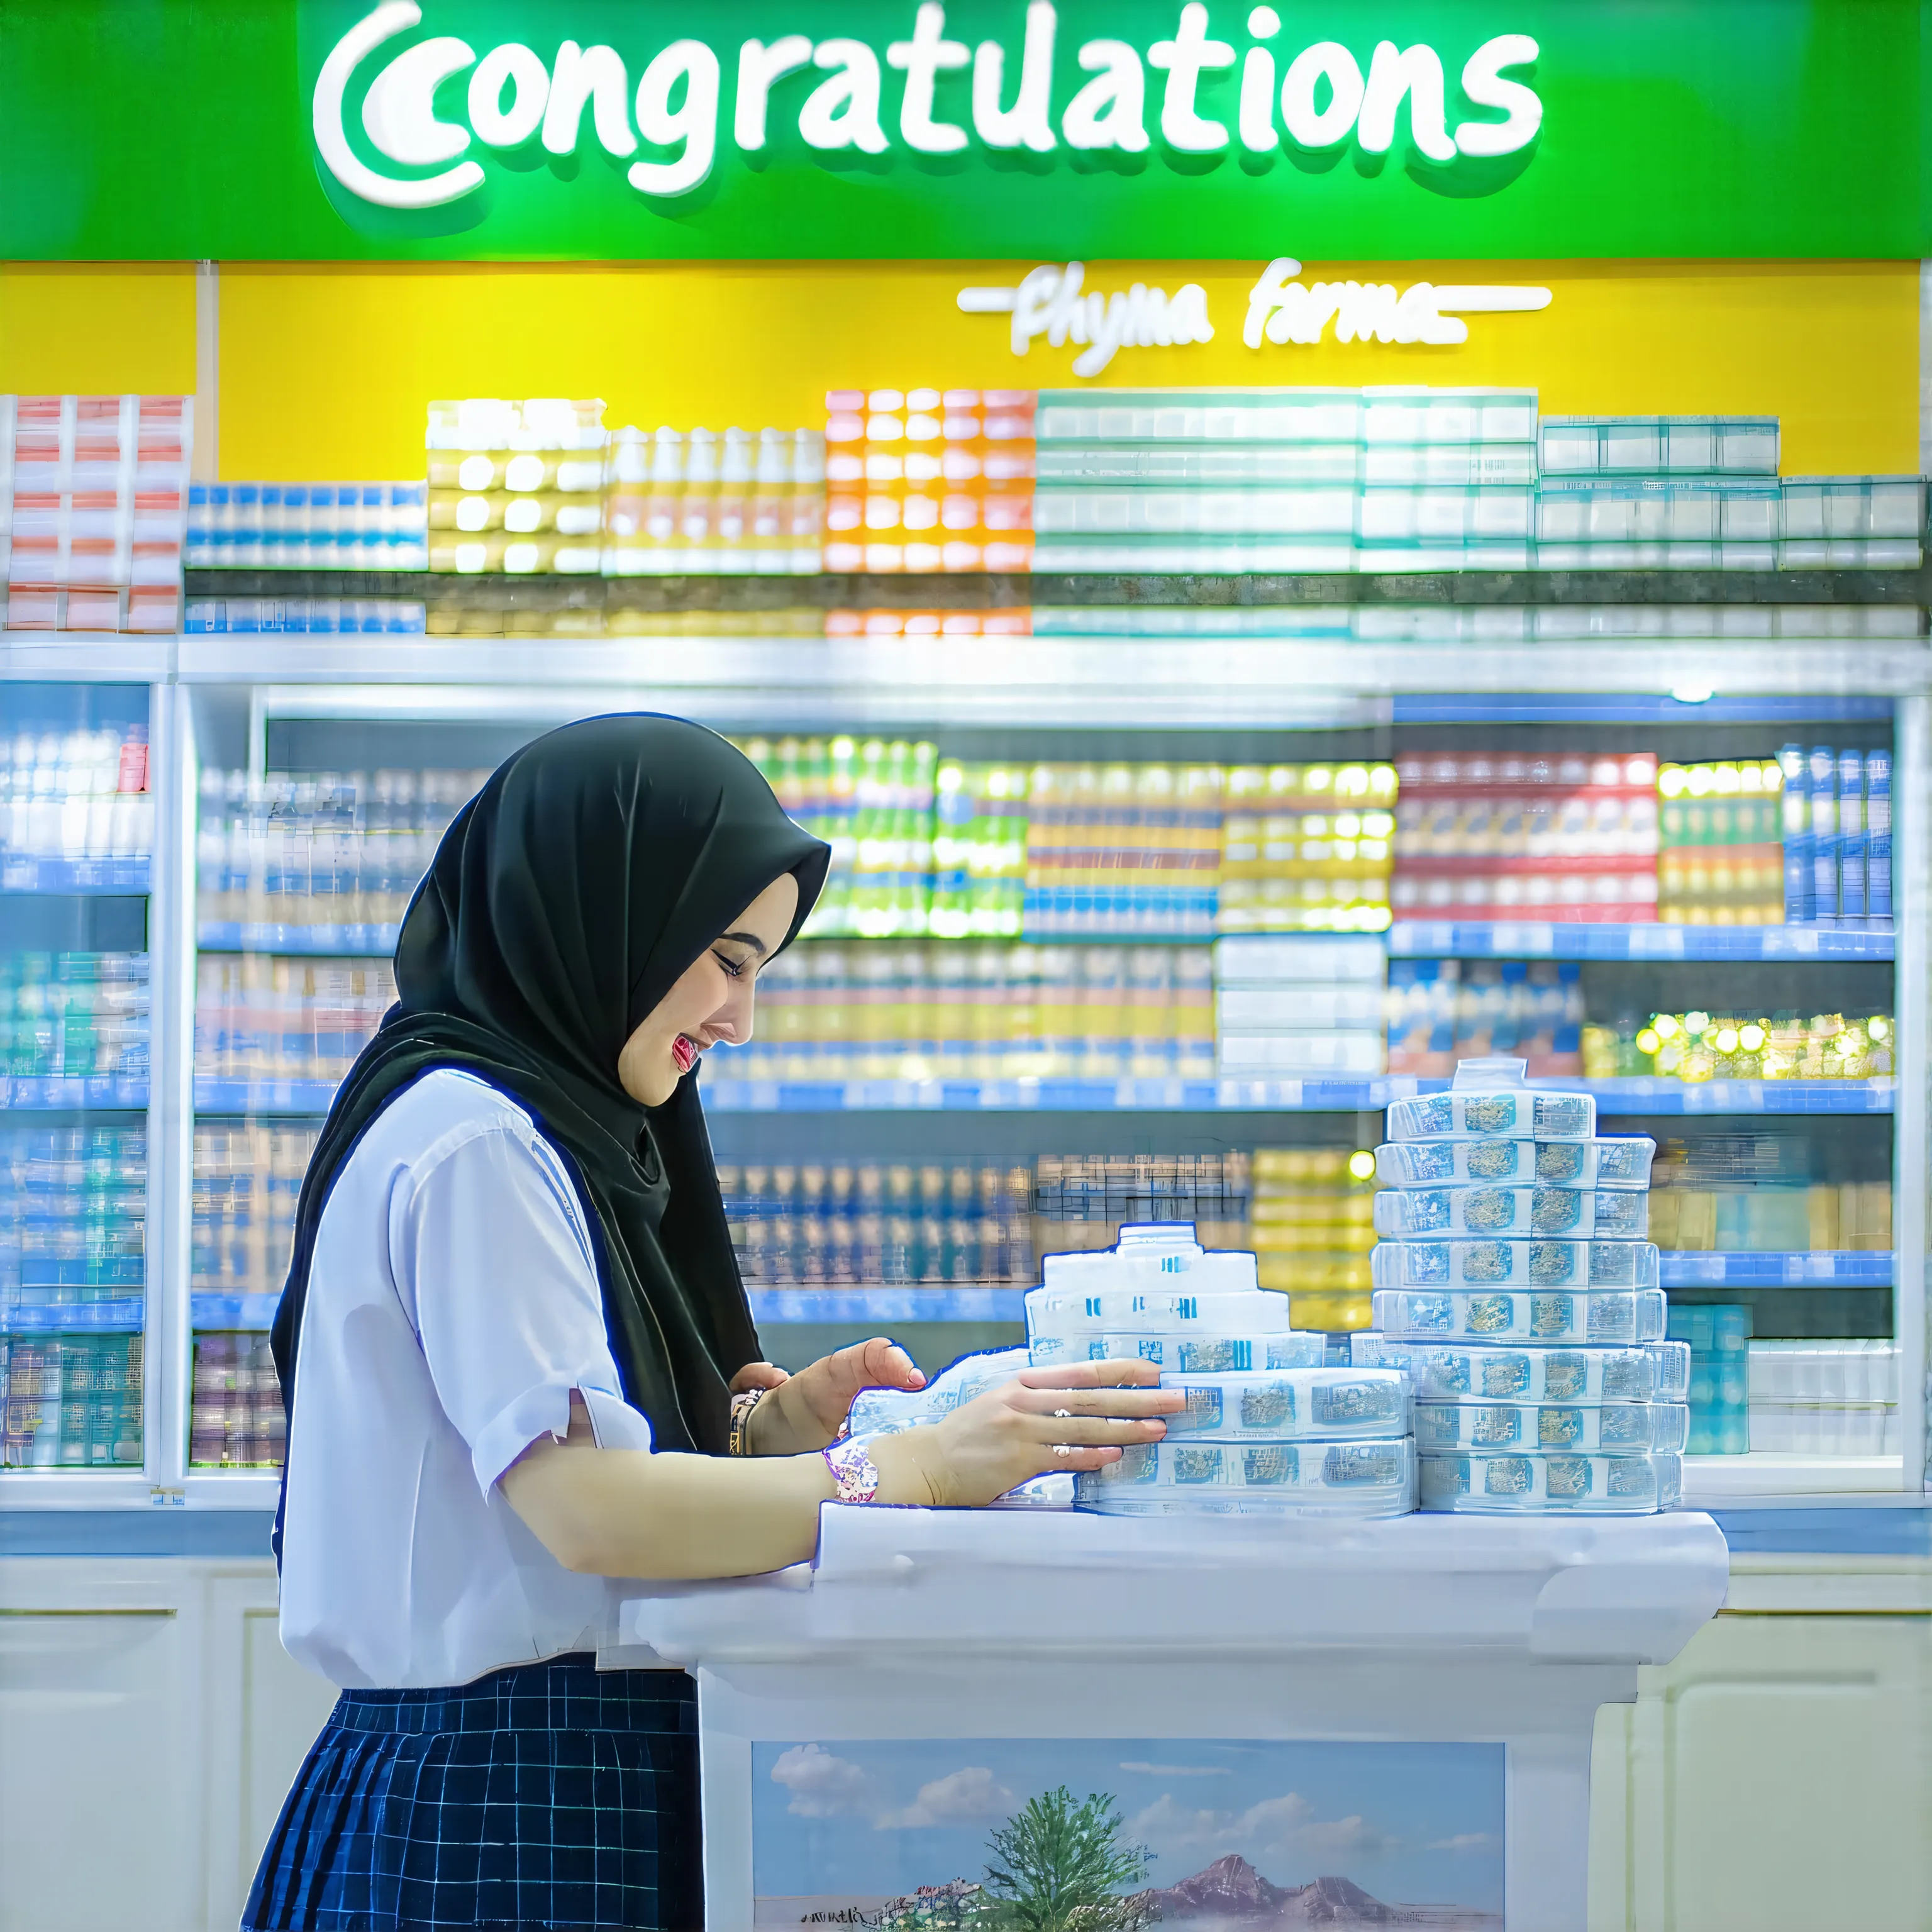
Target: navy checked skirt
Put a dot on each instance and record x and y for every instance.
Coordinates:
(550, 1795)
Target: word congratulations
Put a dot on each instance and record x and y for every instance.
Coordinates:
(1321, 99)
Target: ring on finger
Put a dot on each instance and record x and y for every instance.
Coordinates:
(1063, 1449)
(1063, 1412)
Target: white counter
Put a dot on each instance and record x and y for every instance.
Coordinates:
(1036, 1634)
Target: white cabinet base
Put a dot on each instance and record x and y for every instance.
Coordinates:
(150, 1724)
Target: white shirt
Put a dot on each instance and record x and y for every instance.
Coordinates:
(453, 1305)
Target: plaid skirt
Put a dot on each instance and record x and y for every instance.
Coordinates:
(550, 1795)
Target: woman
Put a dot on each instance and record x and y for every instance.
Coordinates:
(519, 1360)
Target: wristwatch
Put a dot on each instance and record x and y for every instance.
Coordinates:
(741, 1406)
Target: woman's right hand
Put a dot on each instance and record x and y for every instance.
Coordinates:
(1013, 1433)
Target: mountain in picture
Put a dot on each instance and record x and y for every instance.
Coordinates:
(1230, 1896)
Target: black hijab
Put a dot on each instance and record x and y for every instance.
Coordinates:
(565, 901)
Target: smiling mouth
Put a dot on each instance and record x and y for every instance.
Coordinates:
(684, 1053)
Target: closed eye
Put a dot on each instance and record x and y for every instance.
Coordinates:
(735, 967)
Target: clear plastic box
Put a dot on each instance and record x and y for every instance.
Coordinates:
(1416, 513)
(1608, 555)
(1302, 1404)
(1374, 1477)
(1618, 1215)
(1302, 415)
(1420, 553)
(1684, 510)
(1615, 1161)
(1146, 1258)
(1187, 555)
(1519, 1315)
(1649, 445)
(883, 1411)
(1843, 507)
(1318, 959)
(1658, 1372)
(1271, 1505)
(1834, 1372)
(1208, 1352)
(1316, 511)
(1517, 1484)
(1410, 413)
(1488, 1101)
(1221, 466)
(1850, 553)
(1477, 1265)
(1609, 1428)
(1449, 463)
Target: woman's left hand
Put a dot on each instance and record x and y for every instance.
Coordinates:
(804, 1412)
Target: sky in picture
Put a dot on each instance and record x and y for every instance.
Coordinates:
(1412, 1823)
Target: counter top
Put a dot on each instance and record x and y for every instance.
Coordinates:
(1053, 1582)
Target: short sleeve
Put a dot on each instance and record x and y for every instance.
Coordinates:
(494, 1263)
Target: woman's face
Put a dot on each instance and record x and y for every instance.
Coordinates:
(712, 1001)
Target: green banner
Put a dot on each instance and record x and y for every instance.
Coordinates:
(1341, 129)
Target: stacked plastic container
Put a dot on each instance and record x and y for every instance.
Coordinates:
(1122, 850)
(307, 527)
(1294, 1006)
(1836, 822)
(1306, 848)
(1658, 493)
(919, 480)
(1514, 1283)
(1716, 1340)
(1720, 860)
(1703, 493)
(1311, 1227)
(72, 1275)
(75, 810)
(1440, 1011)
(1821, 1398)
(516, 487)
(1268, 1430)
(93, 498)
(1839, 523)
(1293, 479)
(692, 500)
(1569, 836)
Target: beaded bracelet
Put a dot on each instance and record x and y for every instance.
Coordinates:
(852, 1469)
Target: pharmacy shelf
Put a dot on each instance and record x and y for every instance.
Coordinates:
(1689, 700)
(232, 1311)
(1641, 1095)
(1826, 1267)
(1542, 939)
(86, 657)
(1638, 1096)
(878, 1302)
(1202, 683)
(126, 1315)
(296, 1097)
(48, 1094)
(1763, 1475)
(1419, 939)
(1646, 1095)
(836, 590)
(54, 877)
(895, 1302)
(300, 942)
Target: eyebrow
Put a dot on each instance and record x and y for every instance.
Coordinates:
(751, 939)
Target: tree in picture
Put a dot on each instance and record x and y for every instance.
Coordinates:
(1060, 1866)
